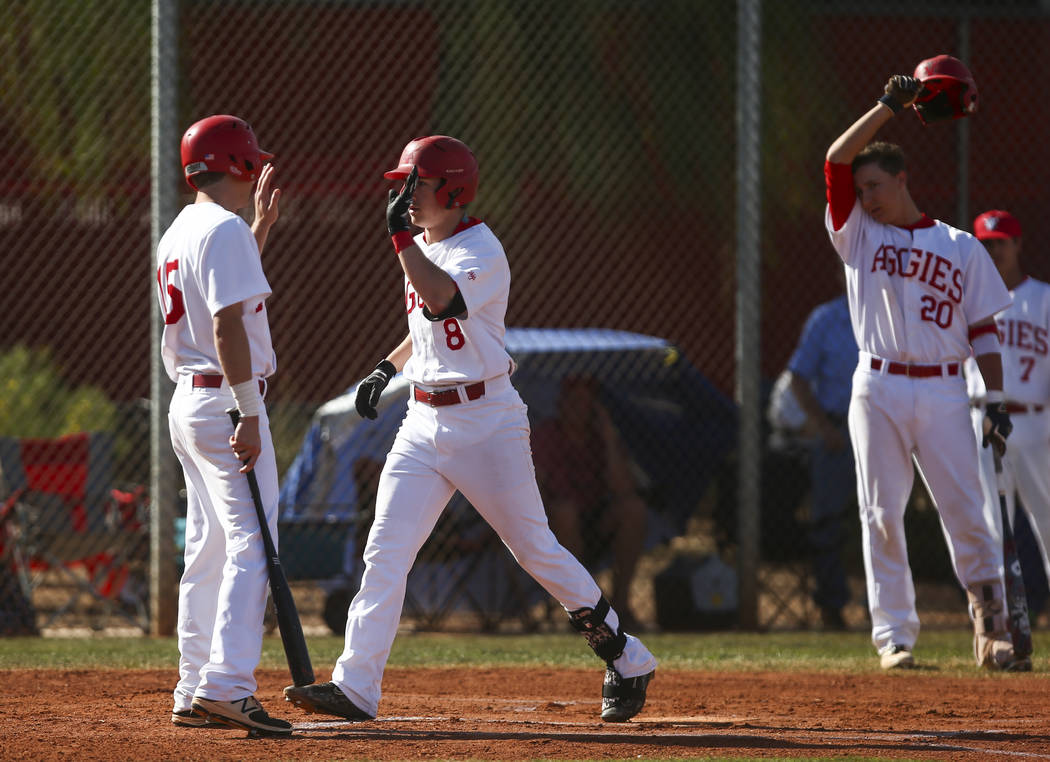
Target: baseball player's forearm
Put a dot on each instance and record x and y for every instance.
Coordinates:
(991, 367)
(401, 353)
(430, 282)
(235, 358)
(859, 134)
(260, 231)
(231, 344)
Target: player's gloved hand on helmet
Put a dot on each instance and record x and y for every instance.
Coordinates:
(901, 92)
(997, 426)
(398, 203)
(368, 391)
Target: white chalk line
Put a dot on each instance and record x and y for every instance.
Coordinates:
(934, 740)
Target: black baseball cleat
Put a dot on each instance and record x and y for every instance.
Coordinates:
(623, 697)
(325, 698)
(1019, 664)
(246, 713)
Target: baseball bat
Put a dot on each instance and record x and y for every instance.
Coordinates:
(287, 615)
(1016, 600)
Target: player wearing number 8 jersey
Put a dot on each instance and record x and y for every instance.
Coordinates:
(921, 295)
(1024, 330)
(466, 429)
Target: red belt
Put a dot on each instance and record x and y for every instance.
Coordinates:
(915, 371)
(1020, 407)
(211, 381)
(448, 396)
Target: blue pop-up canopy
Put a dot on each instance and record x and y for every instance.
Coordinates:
(676, 425)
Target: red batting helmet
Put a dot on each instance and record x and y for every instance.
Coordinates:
(949, 90)
(222, 143)
(444, 157)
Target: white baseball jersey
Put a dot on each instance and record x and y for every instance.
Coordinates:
(1024, 332)
(208, 260)
(913, 293)
(477, 445)
(457, 350)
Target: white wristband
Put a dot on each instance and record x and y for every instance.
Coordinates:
(986, 344)
(994, 396)
(247, 397)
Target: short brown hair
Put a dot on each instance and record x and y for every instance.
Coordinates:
(889, 157)
(206, 179)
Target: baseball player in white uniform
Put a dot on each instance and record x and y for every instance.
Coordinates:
(1024, 332)
(217, 350)
(921, 295)
(466, 429)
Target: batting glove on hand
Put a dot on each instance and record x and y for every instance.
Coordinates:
(997, 427)
(901, 92)
(368, 391)
(398, 203)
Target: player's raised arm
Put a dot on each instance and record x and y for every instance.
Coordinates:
(901, 91)
(266, 212)
(431, 283)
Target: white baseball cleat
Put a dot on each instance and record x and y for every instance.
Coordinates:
(896, 657)
(246, 713)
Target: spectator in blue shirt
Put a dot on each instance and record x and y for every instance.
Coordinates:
(821, 379)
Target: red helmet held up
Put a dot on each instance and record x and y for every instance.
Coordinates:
(222, 143)
(949, 90)
(443, 157)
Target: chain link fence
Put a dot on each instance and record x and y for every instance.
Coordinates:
(606, 134)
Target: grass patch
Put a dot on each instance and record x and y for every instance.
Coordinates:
(946, 651)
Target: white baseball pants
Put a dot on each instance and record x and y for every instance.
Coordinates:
(222, 594)
(1026, 472)
(891, 419)
(481, 448)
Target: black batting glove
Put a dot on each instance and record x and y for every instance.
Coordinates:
(368, 391)
(901, 92)
(997, 427)
(398, 203)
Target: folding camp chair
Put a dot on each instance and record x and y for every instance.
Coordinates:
(66, 528)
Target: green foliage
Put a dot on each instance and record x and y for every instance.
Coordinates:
(607, 99)
(35, 401)
(74, 89)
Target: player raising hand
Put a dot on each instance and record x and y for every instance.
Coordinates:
(922, 296)
(466, 429)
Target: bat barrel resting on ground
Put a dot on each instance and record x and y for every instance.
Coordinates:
(287, 616)
(1016, 600)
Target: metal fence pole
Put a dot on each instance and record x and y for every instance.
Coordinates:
(748, 302)
(164, 160)
(962, 155)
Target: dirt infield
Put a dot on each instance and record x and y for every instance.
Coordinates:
(517, 714)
